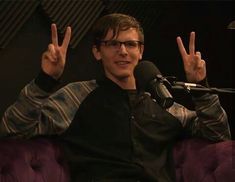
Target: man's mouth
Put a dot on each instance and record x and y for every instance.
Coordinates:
(122, 62)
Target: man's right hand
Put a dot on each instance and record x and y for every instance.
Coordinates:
(53, 60)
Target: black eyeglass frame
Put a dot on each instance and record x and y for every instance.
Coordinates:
(119, 43)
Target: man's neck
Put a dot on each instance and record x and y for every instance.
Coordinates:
(125, 83)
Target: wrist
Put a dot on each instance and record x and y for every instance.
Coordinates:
(46, 82)
(204, 83)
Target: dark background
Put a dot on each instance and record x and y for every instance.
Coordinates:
(163, 21)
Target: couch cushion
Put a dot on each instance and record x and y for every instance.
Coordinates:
(31, 160)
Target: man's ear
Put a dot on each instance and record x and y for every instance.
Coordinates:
(96, 53)
(141, 51)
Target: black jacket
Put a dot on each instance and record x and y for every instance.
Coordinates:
(120, 135)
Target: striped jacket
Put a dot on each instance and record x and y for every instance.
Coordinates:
(38, 112)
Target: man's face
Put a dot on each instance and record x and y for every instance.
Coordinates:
(119, 60)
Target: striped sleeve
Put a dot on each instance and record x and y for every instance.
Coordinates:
(36, 112)
(209, 120)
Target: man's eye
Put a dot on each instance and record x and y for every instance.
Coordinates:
(113, 43)
(131, 44)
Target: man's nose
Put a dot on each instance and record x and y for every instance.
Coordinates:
(123, 49)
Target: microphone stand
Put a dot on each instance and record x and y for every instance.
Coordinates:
(164, 98)
(191, 87)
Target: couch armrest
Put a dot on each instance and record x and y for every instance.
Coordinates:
(198, 160)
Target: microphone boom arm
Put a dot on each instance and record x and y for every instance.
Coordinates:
(192, 87)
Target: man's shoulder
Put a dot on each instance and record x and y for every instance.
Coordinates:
(86, 86)
(85, 83)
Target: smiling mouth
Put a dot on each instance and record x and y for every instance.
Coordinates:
(122, 62)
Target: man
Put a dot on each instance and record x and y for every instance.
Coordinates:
(108, 130)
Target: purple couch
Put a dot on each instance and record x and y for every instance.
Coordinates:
(40, 160)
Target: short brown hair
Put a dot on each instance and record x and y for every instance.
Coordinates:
(116, 22)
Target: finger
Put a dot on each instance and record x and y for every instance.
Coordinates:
(54, 36)
(202, 63)
(192, 43)
(198, 54)
(181, 47)
(59, 55)
(49, 57)
(67, 37)
(51, 49)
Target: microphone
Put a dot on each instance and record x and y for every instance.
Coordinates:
(149, 79)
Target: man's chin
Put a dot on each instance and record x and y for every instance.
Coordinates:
(123, 76)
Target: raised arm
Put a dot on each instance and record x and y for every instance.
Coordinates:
(209, 120)
(35, 110)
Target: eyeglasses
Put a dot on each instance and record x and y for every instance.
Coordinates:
(115, 44)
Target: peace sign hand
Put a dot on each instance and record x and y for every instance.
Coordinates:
(194, 66)
(53, 60)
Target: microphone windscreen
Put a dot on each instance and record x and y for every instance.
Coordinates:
(144, 73)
